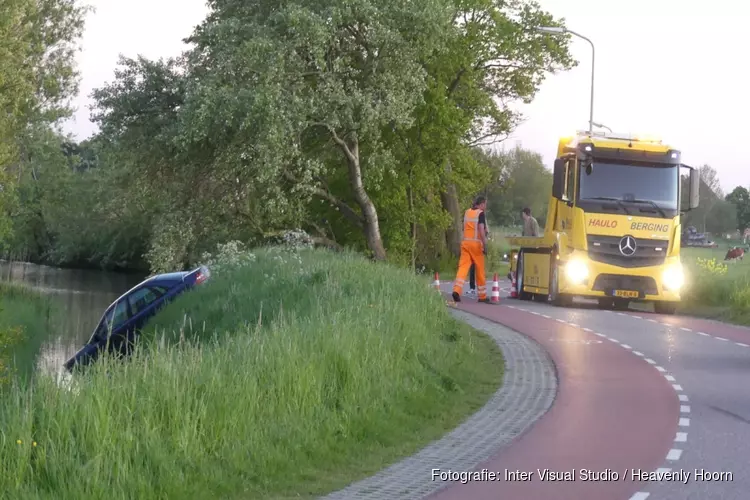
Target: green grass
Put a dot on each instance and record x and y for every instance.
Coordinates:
(715, 289)
(25, 321)
(287, 378)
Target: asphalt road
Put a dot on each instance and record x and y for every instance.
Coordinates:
(707, 367)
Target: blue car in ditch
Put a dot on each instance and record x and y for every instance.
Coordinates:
(121, 322)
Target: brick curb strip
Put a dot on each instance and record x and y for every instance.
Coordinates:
(528, 391)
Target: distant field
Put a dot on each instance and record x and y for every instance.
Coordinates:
(714, 288)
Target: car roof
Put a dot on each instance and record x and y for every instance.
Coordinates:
(167, 277)
(157, 279)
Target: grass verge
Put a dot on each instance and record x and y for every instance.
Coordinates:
(287, 375)
(716, 289)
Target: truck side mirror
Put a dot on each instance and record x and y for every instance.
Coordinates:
(558, 178)
(695, 185)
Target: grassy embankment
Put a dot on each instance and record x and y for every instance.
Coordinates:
(25, 321)
(715, 289)
(325, 369)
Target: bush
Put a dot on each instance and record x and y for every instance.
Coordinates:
(715, 288)
(290, 373)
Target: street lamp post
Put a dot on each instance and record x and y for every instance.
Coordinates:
(556, 30)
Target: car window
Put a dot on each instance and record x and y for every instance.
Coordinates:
(161, 290)
(142, 298)
(120, 315)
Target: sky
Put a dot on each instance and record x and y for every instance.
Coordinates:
(662, 67)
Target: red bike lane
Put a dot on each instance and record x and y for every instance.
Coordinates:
(613, 412)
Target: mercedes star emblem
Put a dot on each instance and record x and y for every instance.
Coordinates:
(627, 246)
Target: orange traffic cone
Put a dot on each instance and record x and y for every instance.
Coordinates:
(513, 287)
(495, 295)
(436, 283)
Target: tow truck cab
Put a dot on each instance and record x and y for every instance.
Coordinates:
(613, 225)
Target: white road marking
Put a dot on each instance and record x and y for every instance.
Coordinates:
(685, 329)
(704, 334)
(720, 338)
(641, 495)
(637, 317)
(741, 344)
(680, 437)
(674, 454)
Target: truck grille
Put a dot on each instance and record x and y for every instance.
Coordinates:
(606, 249)
(607, 283)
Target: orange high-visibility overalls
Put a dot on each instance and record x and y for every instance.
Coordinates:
(472, 251)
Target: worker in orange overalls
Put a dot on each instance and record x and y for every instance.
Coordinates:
(472, 250)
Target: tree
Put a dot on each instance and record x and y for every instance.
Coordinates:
(710, 194)
(482, 74)
(525, 183)
(723, 218)
(38, 40)
(355, 121)
(315, 81)
(740, 198)
(710, 178)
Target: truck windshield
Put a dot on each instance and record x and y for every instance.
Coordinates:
(639, 187)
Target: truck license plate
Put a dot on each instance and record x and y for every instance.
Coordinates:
(626, 293)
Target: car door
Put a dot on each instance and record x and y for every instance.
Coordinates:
(144, 302)
(112, 322)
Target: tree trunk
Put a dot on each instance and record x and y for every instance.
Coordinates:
(369, 213)
(449, 199)
(412, 216)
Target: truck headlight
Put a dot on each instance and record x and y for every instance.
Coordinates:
(673, 277)
(576, 271)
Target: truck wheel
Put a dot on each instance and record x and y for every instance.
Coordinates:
(605, 303)
(519, 279)
(615, 304)
(665, 307)
(555, 297)
(620, 304)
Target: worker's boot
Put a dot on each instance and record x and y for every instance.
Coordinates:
(485, 300)
(456, 297)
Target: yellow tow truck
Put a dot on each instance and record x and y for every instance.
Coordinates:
(613, 225)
